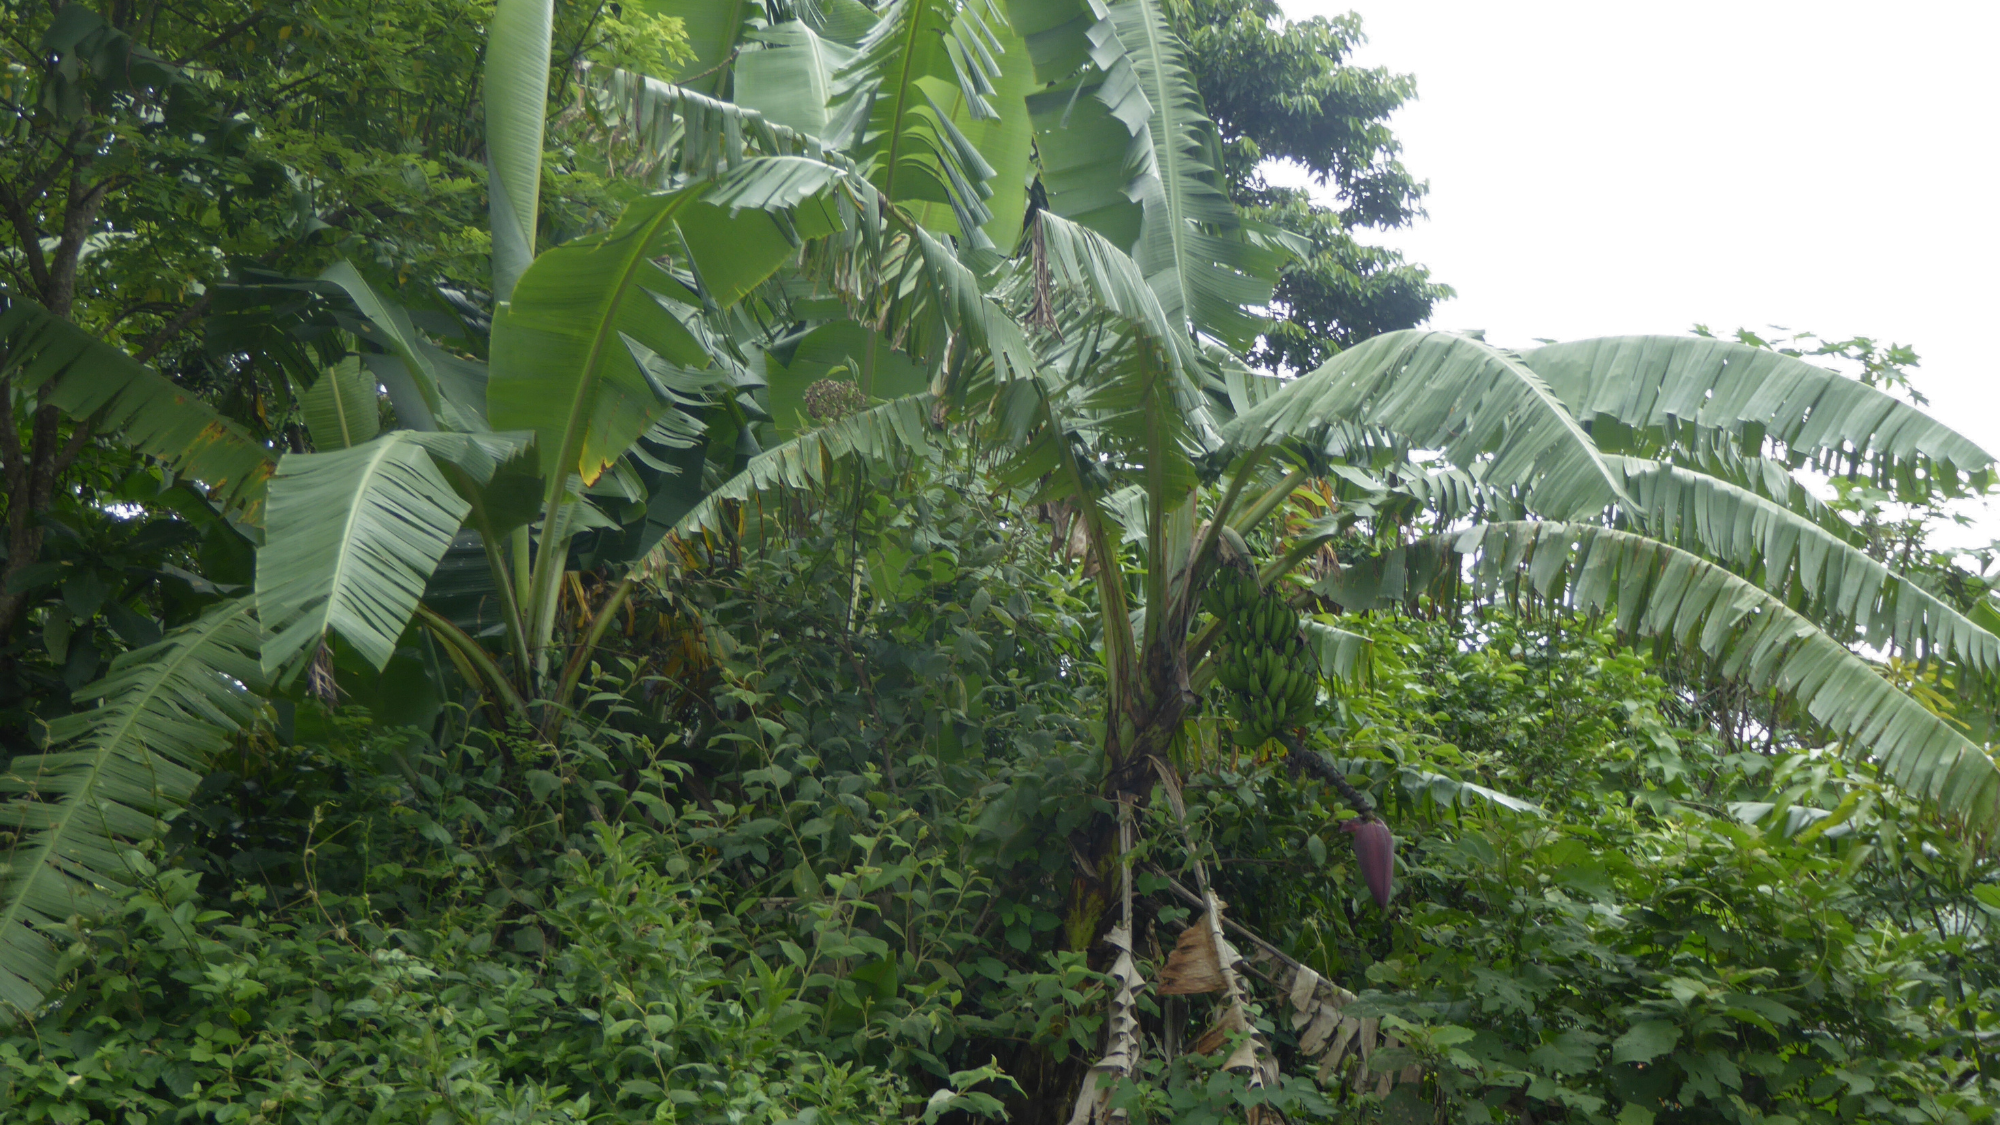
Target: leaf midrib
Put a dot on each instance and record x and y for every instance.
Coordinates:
(586, 384)
(1169, 151)
(378, 454)
(904, 83)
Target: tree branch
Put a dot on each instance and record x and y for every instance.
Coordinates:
(78, 218)
(10, 441)
(30, 237)
(1317, 764)
(221, 37)
(174, 327)
(73, 448)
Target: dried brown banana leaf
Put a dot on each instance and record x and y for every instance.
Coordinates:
(1121, 1046)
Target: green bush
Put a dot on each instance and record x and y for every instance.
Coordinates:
(824, 873)
(611, 1005)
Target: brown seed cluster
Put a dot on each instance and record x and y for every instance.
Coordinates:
(830, 400)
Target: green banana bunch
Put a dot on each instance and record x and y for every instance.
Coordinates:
(1267, 669)
(1231, 594)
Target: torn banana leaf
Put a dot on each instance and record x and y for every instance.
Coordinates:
(1341, 1043)
(1121, 1047)
(1204, 961)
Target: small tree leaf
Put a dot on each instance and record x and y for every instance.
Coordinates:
(1645, 1041)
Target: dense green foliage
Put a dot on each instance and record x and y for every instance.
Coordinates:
(841, 562)
(168, 164)
(774, 884)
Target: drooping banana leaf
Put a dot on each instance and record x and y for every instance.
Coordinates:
(429, 387)
(898, 277)
(1005, 137)
(90, 380)
(923, 57)
(108, 777)
(1438, 390)
(804, 462)
(1075, 258)
(1773, 480)
(1639, 393)
(1786, 552)
(1658, 590)
(1343, 657)
(1093, 124)
(350, 541)
(681, 132)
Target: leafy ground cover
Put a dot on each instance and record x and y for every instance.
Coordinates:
(801, 893)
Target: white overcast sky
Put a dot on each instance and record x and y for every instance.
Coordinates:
(1604, 168)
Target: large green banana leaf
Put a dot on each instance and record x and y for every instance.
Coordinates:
(1192, 244)
(350, 541)
(1826, 576)
(1004, 138)
(1439, 390)
(1659, 590)
(516, 89)
(1343, 656)
(1078, 260)
(803, 462)
(923, 56)
(1671, 389)
(683, 133)
(1749, 634)
(340, 407)
(431, 388)
(91, 381)
(914, 288)
(804, 82)
(1093, 120)
(109, 776)
(570, 353)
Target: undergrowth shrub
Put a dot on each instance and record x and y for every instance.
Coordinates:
(617, 1009)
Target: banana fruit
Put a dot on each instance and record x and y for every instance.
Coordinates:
(1267, 670)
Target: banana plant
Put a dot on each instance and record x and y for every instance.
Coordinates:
(835, 188)
(627, 361)
(1757, 581)
(1135, 413)
(111, 773)
(617, 359)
